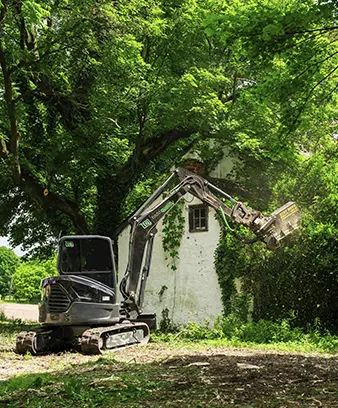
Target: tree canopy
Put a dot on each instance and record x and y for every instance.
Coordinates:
(100, 99)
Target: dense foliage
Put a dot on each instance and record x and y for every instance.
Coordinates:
(27, 278)
(101, 98)
(300, 279)
(8, 264)
(20, 279)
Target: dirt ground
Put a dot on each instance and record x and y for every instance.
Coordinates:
(226, 376)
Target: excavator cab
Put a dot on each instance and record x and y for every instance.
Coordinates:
(85, 290)
(87, 256)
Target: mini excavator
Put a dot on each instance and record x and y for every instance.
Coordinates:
(79, 308)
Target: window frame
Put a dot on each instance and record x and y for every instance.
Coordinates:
(192, 218)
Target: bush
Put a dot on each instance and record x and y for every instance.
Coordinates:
(194, 331)
(232, 329)
(27, 278)
(8, 264)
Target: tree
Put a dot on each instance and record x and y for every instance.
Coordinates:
(108, 94)
(94, 108)
(9, 262)
(27, 278)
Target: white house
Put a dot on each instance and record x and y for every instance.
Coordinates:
(191, 292)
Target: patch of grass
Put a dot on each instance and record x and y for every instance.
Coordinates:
(26, 382)
(9, 329)
(102, 383)
(262, 334)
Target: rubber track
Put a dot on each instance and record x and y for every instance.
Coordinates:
(92, 342)
(24, 342)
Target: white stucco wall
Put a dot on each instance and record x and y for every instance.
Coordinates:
(191, 292)
(225, 165)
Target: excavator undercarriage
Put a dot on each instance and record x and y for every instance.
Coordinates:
(86, 340)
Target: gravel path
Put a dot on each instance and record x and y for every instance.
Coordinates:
(28, 313)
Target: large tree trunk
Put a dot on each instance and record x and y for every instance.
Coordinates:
(112, 191)
(111, 194)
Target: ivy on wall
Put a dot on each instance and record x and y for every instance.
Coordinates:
(229, 268)
(173, 229)
(225, 262)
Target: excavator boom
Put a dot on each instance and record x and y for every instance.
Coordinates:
(270, 229)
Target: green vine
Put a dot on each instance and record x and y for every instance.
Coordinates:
(224, 271)
(173, 228)
(228, 267)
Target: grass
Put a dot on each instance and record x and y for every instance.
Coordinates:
(190, 368)
(267, 335)
(103, 383)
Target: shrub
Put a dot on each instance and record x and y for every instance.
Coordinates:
(8, 264)
(232, 329)
(27, 278)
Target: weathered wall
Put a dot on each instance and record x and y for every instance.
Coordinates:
(192, 292)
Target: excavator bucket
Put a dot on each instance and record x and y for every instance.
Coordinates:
(282, 222)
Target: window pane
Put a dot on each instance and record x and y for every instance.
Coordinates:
(198, 218)
(86, 255)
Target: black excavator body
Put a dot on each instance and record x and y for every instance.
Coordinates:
(85, 290)
(78, 308)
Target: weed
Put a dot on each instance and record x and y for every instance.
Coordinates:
(72, 386)
(166, 325)
(231, 331)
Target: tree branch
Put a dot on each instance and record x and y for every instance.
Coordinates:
(308, 96)
(3, 149)
(14, 139)
(52, 200)
(153, 147)
(22, 178)
(316, 64)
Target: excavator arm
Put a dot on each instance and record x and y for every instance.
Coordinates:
(269, 229)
